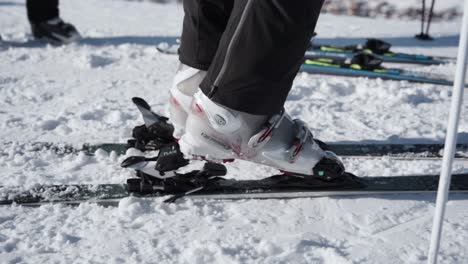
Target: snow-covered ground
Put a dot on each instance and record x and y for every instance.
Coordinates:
(81, 93)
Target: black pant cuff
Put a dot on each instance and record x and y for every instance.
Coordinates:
(196, 65)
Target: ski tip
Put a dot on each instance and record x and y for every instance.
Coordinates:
(140, 102)
(162, 50)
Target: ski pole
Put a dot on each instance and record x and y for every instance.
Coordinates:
(429, 18)
(423, 11)
(452, 127)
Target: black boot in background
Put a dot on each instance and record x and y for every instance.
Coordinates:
(55, 31)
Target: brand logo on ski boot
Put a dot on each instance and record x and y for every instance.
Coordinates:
(216, 141)
(220, 120)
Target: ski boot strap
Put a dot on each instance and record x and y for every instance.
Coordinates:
(303, 134)
(265, 134)
(301, 131)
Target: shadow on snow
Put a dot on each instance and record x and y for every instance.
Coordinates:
(462, 139)
(401, 41)
(103, 41)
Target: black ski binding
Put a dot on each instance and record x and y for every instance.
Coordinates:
(170, 158)
(153, 137)
(377, 46)
(367, 61)
(165, 179)
(180, 185)
(155, 134)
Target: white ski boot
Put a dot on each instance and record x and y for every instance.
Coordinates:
(214, 132)
(184, 86)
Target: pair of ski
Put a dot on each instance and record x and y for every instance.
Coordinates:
(379, 49)
(362, 60)
(156, 177)
(209, 183)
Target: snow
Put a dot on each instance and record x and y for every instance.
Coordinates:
(81, 93)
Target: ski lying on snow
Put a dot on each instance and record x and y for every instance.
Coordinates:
(378, 48)
(404, 151)
(278, 186)
(368, 65)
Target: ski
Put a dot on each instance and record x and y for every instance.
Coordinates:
(378, 48)
(358, 150)
(168, 49)
(187, 185)
(157, 133)
(65, 194)
(367, 65)
(158, 176)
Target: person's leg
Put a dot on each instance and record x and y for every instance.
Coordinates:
(267, 55)
(46, 23)
(204, 23)
(42, 10)
(238, 113)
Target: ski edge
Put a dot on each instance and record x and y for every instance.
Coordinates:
(242, 196)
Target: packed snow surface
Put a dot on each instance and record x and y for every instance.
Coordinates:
(81, 93)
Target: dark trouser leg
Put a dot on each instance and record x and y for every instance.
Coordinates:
(204, 23)
(42, 10)
(266, 56)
